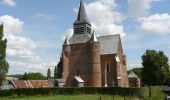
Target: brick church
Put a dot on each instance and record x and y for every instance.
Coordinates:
(94, 61)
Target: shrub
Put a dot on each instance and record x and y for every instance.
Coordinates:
(73, 91)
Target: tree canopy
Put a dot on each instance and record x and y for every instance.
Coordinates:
(48, 73)
(3, 63)
(155, 69)
(33, 76)
(55, 72)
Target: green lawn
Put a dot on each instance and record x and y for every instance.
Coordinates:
(156, 93)
(69, 97)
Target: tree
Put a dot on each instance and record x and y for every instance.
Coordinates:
(55, 72)
(3, 63)
(25, 76)
(33, 76)
(48, 73)
(155, 69)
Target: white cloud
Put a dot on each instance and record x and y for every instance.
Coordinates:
(20, 49)
(10, 3)
(139, 8)
(19, 53)
(68, 33)
(108, 2)
(134, 65)
(16, 45)
(11, 24)
(19, 42)
(103, 17)
(158, 23)
(21, 67)
(48, 17)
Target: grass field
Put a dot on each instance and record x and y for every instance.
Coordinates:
(69, 97)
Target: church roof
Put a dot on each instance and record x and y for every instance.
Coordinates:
(80, 38)
(109, 44)
(82, 16)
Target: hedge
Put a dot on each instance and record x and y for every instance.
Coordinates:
(72, 91)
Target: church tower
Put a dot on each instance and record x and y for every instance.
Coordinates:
(81, 54)
(82, 25)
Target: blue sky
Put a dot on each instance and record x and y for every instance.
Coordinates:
(35, 29)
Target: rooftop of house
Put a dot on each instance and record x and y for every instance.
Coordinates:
(132, 75)
(31, 83)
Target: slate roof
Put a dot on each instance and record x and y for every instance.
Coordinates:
(60, 80)
(165, 88)
(132, 75)
(79, 38)
(109, 44)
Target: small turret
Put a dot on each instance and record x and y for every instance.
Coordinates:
(93, 38)
(66, 47)
(66, 42)
(95, 70)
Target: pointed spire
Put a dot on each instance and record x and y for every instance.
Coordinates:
(82, 16)
(66, 42)
(93, 37)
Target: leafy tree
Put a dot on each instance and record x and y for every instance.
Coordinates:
(33, 76)
(55, 72)
(3, 63)
(25, 76)
(48, 73)
(155, 68)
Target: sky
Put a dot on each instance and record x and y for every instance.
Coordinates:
(35, 29)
